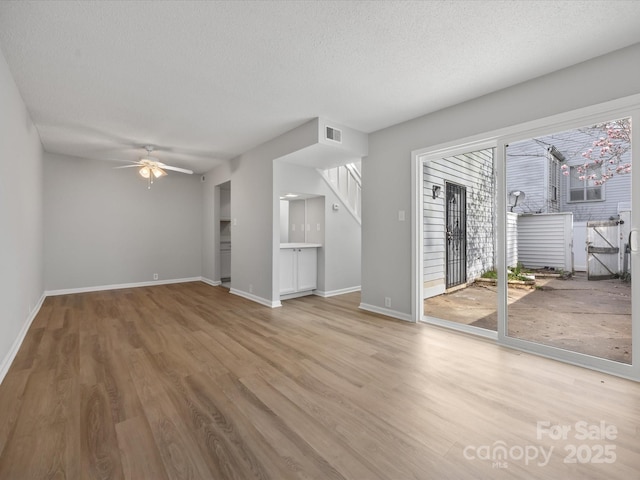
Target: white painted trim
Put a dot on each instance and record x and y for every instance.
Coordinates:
(289, 296)
(255, 298)
(461, 327)
(340, 291)
(417, 240)
(99, 288)
(13, 351)
(387, 312)
(574, 358)
(213, 283)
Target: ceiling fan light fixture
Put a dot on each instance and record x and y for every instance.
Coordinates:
(158, 172)
(145, 172)
(150, 168)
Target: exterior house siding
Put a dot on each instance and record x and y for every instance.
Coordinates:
(616, 190)
(512, 239)
(527, 172)
(474, 171)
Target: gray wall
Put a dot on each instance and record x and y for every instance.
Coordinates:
(21, 240)
(104, 227)
(386, 172)
(255, 213)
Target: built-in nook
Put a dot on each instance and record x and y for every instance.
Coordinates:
(302, 226)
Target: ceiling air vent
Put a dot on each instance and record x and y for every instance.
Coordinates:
(333, 134)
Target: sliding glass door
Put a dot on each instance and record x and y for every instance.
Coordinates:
(567, 210)
(531, 237)
(459, 276)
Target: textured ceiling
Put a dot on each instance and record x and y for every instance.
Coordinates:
(205, 81)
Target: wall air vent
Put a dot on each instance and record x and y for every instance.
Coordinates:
(333, 134)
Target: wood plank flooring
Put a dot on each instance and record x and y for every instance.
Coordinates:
(186, 381)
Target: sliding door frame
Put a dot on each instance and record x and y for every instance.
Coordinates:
(621, 108)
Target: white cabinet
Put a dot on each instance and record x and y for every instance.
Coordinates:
(307, 269)
(288, 271)
(225, 260)
(298, 271)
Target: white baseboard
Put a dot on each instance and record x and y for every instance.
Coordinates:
(11, 355)
(98, 288)
(255, 298)
(333, 293)
(386, 312)
(213, 283)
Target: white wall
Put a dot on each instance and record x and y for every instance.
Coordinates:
(104, 227)
(386, 172)
(21, 241)
(339, 258)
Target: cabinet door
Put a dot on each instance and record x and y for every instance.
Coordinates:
(225, 264)
(307, 269)
(287, 271)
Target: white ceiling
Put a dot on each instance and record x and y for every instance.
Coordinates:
(206, 81)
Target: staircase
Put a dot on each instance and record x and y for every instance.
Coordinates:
(346, 182)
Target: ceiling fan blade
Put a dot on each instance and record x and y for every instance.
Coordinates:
(176, 169)
(129, 166)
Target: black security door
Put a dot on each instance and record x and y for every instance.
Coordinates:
(456, 221)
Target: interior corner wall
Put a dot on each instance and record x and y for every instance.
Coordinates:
(255, 219)
(386, 172)
(21, 240)
(103, 226)
(210, 219)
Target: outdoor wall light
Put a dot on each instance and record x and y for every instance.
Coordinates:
(435, 191)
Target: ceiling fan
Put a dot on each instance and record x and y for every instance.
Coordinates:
(151, 168)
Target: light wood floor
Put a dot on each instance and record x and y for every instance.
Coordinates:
(189, 382)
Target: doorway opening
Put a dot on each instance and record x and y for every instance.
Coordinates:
(224, 234)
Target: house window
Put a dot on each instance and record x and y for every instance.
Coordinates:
(583, 190)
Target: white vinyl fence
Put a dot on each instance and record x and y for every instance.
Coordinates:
(546, 240)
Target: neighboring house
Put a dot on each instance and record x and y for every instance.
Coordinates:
(535, 167)
(545, 169)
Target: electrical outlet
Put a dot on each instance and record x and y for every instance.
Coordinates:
(387, 302)
(401, 215)
(155, 276)
(318, 226)
(250, 288)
